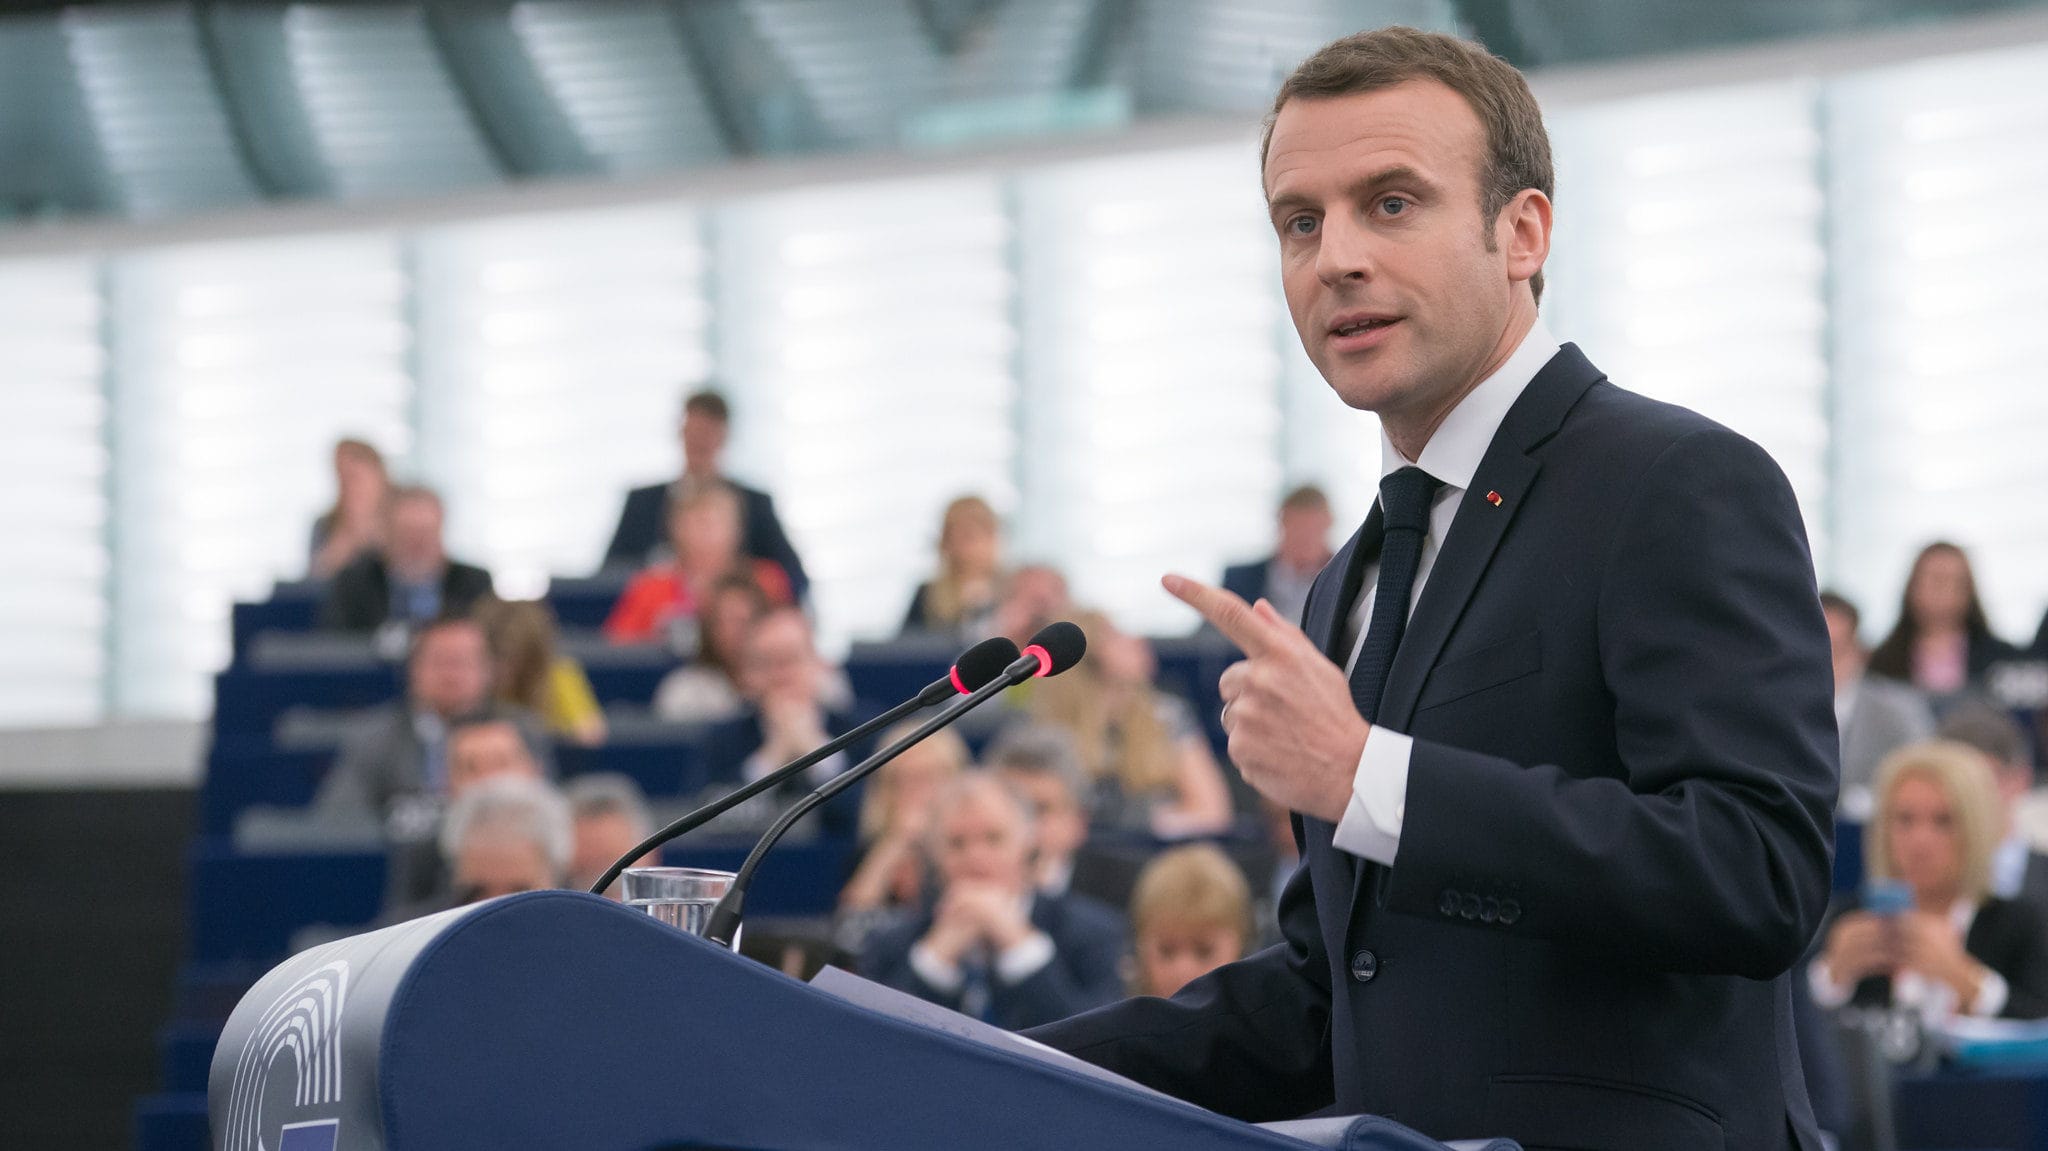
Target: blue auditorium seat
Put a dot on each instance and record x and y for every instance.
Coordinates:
(186, 1048)
(247, 907)
(174, 1121)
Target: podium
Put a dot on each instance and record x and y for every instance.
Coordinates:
(562, 1020)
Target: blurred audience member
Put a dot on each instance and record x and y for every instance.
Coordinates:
(611, 818)
(411, 579)
(790, 713)
(399, 752)
(504, 836)
(989, 947)
(1942, 643)
(895, 823)
(1957, 949)
(1034, 595)
(707, 421)
(2017, 870)
(1149, 764)
(1283, 578)
(478, 750)
(707, 688)
(1876, 716)
(1190, 914)
(535, 675)
(1040, 762)
(354, 526)
(961, 600)
(664, 601)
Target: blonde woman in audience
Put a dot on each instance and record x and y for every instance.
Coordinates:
(704, 534)
(891, 874)
(1191, 913)
(1149, 764)
(1949, 947)
(535, 675)
(961, 600)
(354, 526)
(706, 690)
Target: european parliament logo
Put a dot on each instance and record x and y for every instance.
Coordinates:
(319, 1135)
(290, 1065)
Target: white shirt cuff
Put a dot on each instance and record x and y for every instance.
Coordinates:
(1827, 994)
(1992, 992)
(943, 976)
(1027, 958)
(1371, 827)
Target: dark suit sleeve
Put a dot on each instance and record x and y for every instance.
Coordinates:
(766, 540)
(1088, 945)
(1710, 851)
(1250, 1039)
(913, 617)
(1246, 581)
(886, 960)
(2010, 938)
(464, 585)
(357, 600)
(639, 523)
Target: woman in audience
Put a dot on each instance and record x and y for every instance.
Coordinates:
(1952, 948)
(1942, 643)
(535, 675)
(1191, 913)
(1146, 755)
(707, 689)
(961, 600)
(355, 524)
(704, 534)
(892, 873)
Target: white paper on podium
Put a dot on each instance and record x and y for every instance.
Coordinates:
(889, 1001)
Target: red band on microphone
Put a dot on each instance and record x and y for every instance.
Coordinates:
(954, 675)
(1044, 661)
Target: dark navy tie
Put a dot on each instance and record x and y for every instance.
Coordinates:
(1405, 497)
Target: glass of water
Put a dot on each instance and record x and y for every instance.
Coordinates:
(680, 896)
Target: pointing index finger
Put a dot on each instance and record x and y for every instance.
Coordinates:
(1225, 611)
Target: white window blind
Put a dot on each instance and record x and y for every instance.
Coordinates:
(1152, 372)
(554, 352)
(867, 336)
(237, 366)
(1941, 357)
(1688, 262)
(53, 467)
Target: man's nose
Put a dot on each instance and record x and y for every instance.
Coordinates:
(1346, 251)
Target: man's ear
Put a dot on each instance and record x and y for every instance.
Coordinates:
(1522, 230)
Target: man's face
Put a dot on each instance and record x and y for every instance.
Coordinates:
(703, 442)
(413, 544)
(778, 661)
(984, 839)
(490, 865)
(707, 534)
(1173, 955)
(602, 838)
(1062, 826)
(450, 670)
(1845, 646)
(1305, 537)
(485, 750)
(1399, 287)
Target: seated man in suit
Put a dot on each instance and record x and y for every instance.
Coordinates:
(990, 946)
(1877, 716)
(789, 690)
(478, 750)
(1041, 763)
(638, 540)
(2017, 870)
(611, 816)
(1283, 578)
(393, 764)
(410, 580)
(505, 835)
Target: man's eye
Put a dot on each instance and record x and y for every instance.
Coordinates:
(1301, 225)
(1394, 205)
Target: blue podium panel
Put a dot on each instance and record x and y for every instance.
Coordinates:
(561, 1020)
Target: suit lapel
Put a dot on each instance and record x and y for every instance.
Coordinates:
(1327, 613)
(1508, 472)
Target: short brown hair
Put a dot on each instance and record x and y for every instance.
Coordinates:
(709, 404)
(1193, 886)
(1306, 498)
(1517, 146)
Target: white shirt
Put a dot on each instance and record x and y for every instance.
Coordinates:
(1935, 1002)
(1011, 966)
(1371, 826)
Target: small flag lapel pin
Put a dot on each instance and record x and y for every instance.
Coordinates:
(1493, 498)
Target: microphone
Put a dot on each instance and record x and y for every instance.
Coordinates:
(1054, 649)
(978, 666)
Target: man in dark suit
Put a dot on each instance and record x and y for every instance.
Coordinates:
(990, 946)
(641, 533)
(1283, 578)
(410, 579)
(788, 689)
(1558, 736)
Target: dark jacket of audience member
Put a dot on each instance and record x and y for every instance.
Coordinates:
(1088, 941)
(2007, 936)
(360, 597)
(642, 531)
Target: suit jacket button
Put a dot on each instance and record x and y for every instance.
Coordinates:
(1447, 902)
(1509, 912)
(1489, 909)
(1468, 907)
(1364, 966)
